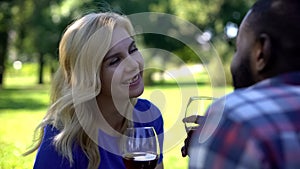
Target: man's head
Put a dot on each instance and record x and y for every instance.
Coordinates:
(268, 42)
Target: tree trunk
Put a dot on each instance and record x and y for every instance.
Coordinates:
(3, 54)
(41, 68)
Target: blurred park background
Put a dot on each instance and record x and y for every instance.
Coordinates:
(30, 31)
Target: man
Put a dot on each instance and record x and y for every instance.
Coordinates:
(260, 124)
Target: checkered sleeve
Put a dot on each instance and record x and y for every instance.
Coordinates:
(259, 128)
(233, 146)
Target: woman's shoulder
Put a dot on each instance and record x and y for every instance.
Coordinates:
(49, 156)
(145, 111)
(144, 105)
(50, 131)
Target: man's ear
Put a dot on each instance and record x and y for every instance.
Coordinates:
(263, 53)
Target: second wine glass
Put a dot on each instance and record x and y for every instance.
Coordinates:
(195, 109)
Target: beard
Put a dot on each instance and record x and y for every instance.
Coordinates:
(241, 75)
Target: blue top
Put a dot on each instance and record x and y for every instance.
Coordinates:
(259, 128)
(144, 114)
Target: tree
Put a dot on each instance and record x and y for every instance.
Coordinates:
(38, 31)
(208, 15)
(5, 18)
(214, 17)
(44, 32)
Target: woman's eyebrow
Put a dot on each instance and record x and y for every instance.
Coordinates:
(116, 54)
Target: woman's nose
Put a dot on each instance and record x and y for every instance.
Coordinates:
(131, 64)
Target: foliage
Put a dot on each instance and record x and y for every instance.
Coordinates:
(208, 15)
(35, 26)
(5, 17)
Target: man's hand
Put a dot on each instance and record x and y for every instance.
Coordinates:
(191, 119)
(184, 149)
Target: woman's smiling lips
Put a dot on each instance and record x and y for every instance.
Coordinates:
(134, 81)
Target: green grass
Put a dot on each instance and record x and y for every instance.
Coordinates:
(23, 107)
(20, 112)
(27, 76)
(16, 135)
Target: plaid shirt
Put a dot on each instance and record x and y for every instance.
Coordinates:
(260, 128)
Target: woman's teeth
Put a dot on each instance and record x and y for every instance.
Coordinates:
(134, 79)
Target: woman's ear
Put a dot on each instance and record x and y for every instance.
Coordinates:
(263, 53)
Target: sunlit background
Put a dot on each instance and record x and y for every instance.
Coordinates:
(30, 31)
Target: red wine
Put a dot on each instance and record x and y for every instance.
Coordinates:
(140, 160)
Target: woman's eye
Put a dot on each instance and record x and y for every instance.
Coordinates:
(114, 61)
(133, 48)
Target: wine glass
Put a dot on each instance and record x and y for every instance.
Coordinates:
(140, 148)
(196, 107)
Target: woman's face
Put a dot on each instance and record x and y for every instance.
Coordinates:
(122, 67)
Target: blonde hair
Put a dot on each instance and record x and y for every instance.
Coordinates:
(77, 80)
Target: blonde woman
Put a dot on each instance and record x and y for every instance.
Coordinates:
(94, 96)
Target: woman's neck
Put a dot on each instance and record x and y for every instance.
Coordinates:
(114, 111)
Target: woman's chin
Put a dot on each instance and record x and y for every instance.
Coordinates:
(136, 93)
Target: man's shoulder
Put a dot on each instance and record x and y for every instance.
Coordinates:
(261, 102)
(247, 104)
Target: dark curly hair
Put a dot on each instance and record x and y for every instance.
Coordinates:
(280, 19)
